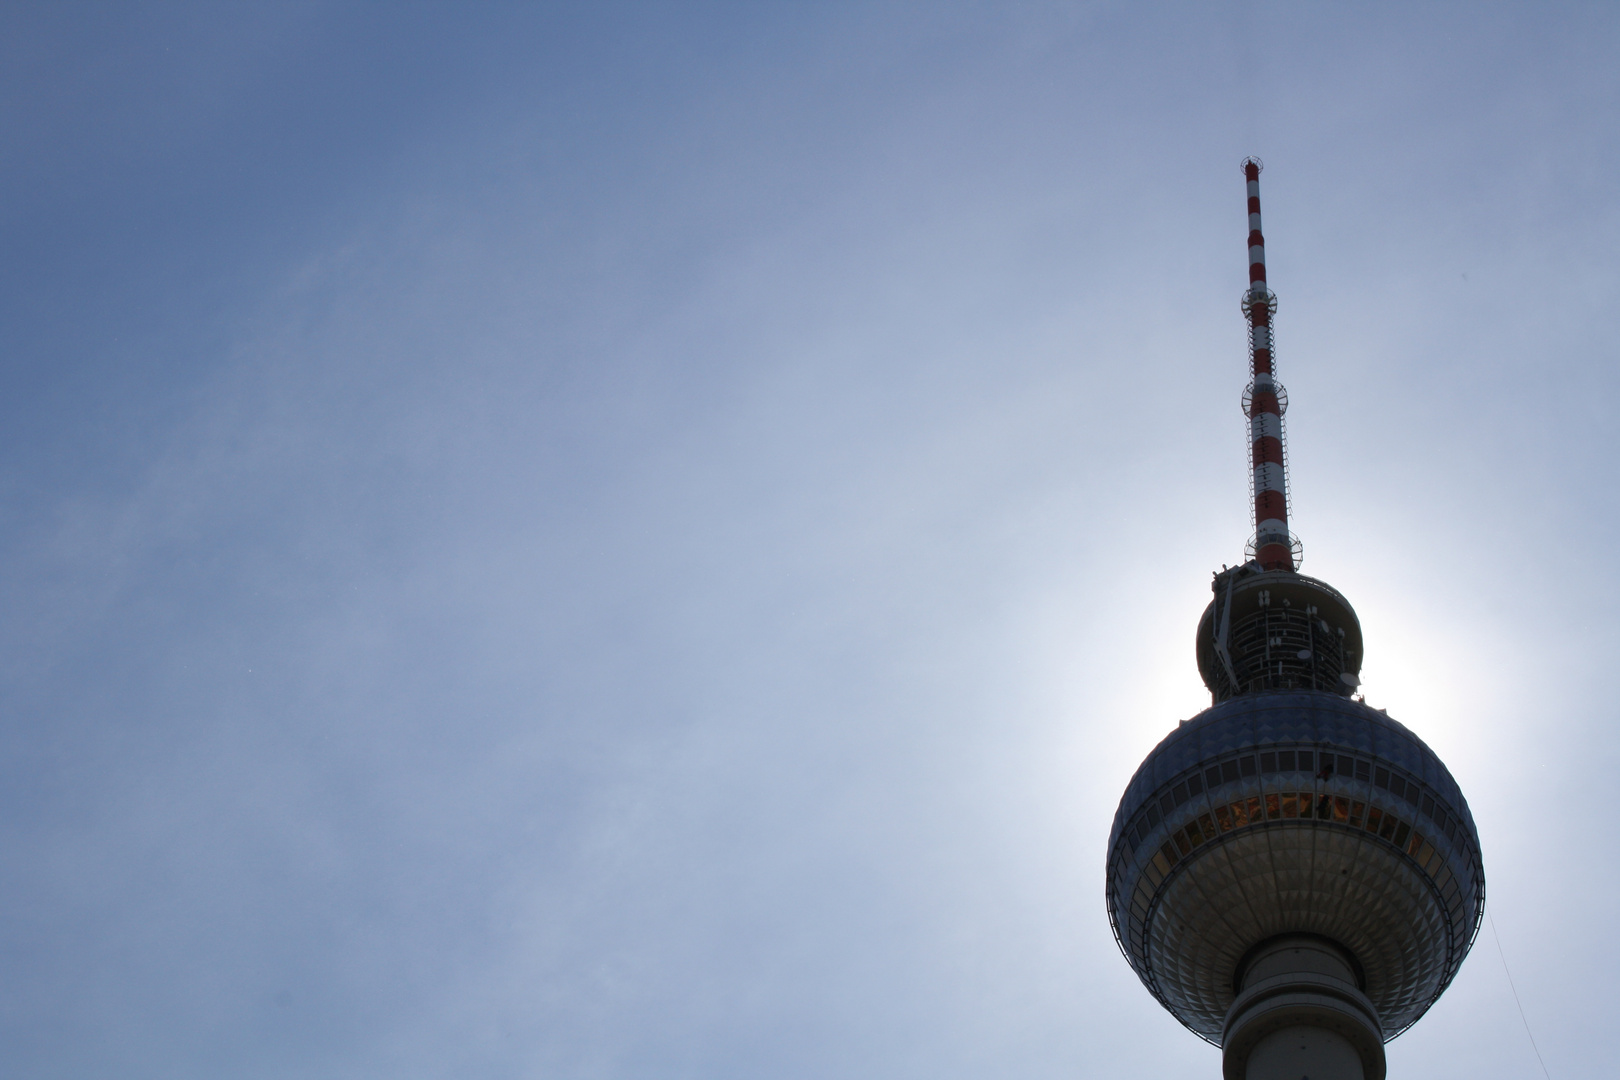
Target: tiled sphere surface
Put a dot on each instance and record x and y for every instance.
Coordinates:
(1293, 812)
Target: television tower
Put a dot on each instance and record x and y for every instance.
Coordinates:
(1293, 874)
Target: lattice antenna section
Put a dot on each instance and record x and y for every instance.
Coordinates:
(1264, 402)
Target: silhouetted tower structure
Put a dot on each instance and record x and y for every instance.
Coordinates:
(1293, 874)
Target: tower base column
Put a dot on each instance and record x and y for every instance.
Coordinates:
(1300, 1015)
(1304, 1053)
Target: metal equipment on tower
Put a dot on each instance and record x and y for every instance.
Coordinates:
(1292, 873)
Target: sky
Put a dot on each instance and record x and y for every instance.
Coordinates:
(647, 540)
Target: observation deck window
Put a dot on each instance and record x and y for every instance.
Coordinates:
(1294, 805)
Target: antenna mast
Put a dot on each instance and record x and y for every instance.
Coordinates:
(1264, 403)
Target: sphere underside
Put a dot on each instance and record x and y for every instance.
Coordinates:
(1293, 813)
(1310, 878)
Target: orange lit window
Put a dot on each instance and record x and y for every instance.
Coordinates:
(1341, 809)
(1273, 809)
(1290, 804)
(1356, 810)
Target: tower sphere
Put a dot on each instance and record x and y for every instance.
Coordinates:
(1299, 813)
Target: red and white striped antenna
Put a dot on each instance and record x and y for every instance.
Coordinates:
(1264, 403)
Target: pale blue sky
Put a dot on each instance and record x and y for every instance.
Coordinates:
(646, 541)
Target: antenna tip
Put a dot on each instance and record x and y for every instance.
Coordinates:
(1252, 166)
